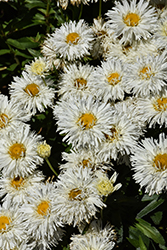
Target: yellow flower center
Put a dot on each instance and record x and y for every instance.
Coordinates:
(74, 194)
(105, 187)
(160, 162)
(113, 78)
(3, 120)
(131, 19)
(85, 163)
(38, 67)
(80, 82)
(4, 220)
(17, 150)
(32, 89)
(72, 38)
(43, 208)
(44, 150)
(87, 120)
(161, 104)
(17, 182)
(145, 73)
(126, 49)
(113, 136)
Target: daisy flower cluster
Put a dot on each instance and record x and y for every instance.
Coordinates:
(102, 110)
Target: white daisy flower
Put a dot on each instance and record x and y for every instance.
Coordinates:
(108, 80)
(17, 188)
(42, 222)
(48, 50)
(95, 238)
(73, 40)
(37, 67)
(132, 20)
(11, 115)
(12, 230)
(125, 134)
(149, 162)
(84, 121)
(18, 154)
(154, 110)
(104, 185)
(77, 198)
(161, 33)
(84, 158)
(147, 76)
(32, 93)
(75, 80)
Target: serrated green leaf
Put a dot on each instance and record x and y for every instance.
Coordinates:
(149, 231)
(150, 207)
(4, 51)
(141, 244)
(157, 217)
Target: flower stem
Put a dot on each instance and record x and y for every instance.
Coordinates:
(49, 164)
(44, 81)
(81, 9)
(100, 7)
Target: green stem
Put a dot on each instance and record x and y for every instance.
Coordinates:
(100, 7)
(44, 81)
(49, 164)
(47, 16)
(81, 10)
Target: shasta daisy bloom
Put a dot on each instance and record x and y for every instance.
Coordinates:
(75, 80)
(12, 230)
(37, 67)
(32, 93)
(11, 115)
(73, 40)
(18, 155)
(104, 185)
(108, 80)
(154, 110)
(149, 162)
(95, 238)
(132, 21)
(17, 188)
(42, 223)
(84, 120)
(147, 76)
(84, 158)
(77, 198)
(125, 134)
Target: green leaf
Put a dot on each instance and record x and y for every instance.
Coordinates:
(150, 207)
(34, 53)
(4, 51)
(157, 217)
(12, 67)
(18, 53)
(149, 231)
(22, 43)
(141, 244)
(33, 4)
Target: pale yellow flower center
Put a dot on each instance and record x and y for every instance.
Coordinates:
(131, 19)
(160, 162)
(38, 67)
(87, 120)
(44, 150)
(161, 104)
(80, 82)
(72, 38)
(105, 187)
(74, 194)
(17, 182)
(16, 151)
(113, 78)
(145, 73)
(3, 120)
(43, 208)
(32, 89)
(4, 220)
